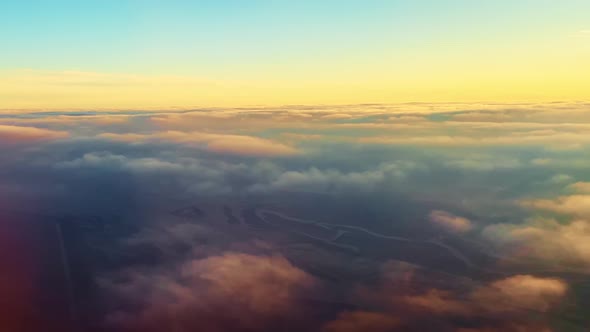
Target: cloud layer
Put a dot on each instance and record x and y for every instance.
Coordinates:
(486, 205)
(229, 292)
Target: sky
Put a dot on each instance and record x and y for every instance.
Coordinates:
(163, 54)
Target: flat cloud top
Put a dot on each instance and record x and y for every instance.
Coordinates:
(18, 134)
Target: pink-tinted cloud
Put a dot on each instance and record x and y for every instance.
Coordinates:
(227, 292)
(402, 300)
(545, 240)
(18, 134)
(260, 285)
(520, 292)
(220, 143)
(505, 296)
(249, 146)
(438, 302)
(575, 205)
(450, 221)
(68, 120)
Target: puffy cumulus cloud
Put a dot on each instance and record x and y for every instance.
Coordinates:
(575, 205)
(109, 160)
(219, 143)
(485, 163)
(227, 292)
(262, 285)
(450, 221)
(333, 180)
(407, 299)
(361, 321)
(18, 134)
(172, 174)
(201, 278)
(210, 175)
(326, 180)
(581, 187)
(520, 292)
(438, 302)
(551, 242)
(502, 304)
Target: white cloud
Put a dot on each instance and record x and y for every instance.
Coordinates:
(450, 221)
(575, 205)
(581, 187)
(566, 244)
(331, 180)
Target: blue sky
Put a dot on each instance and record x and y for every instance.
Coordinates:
(296, 41)
(119, 34)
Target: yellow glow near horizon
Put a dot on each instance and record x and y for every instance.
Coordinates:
(534, 74)
(219, 54)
